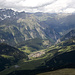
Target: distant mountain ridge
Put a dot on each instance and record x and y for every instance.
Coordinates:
(21, 26)
(69, 35)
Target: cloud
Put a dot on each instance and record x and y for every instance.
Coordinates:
(34, 3)
(69, 10)
(51, 6)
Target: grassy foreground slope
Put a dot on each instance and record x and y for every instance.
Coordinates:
(67, 71)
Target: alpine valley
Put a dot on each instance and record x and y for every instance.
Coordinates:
(37, 43)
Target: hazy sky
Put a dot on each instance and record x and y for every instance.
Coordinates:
(51, 6)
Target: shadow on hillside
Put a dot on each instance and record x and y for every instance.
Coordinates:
(34, 72)
(68, 59)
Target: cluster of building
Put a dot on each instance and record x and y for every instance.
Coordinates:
(36, 54)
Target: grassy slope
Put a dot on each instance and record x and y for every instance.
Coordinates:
(66, 71)
(10, 56)
(33, 45)
(42, 61)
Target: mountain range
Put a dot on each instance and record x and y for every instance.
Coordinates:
(21, 26)
(33, 43)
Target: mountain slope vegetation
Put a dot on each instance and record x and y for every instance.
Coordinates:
(55, 57)
(10, 56)
(33, 45)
